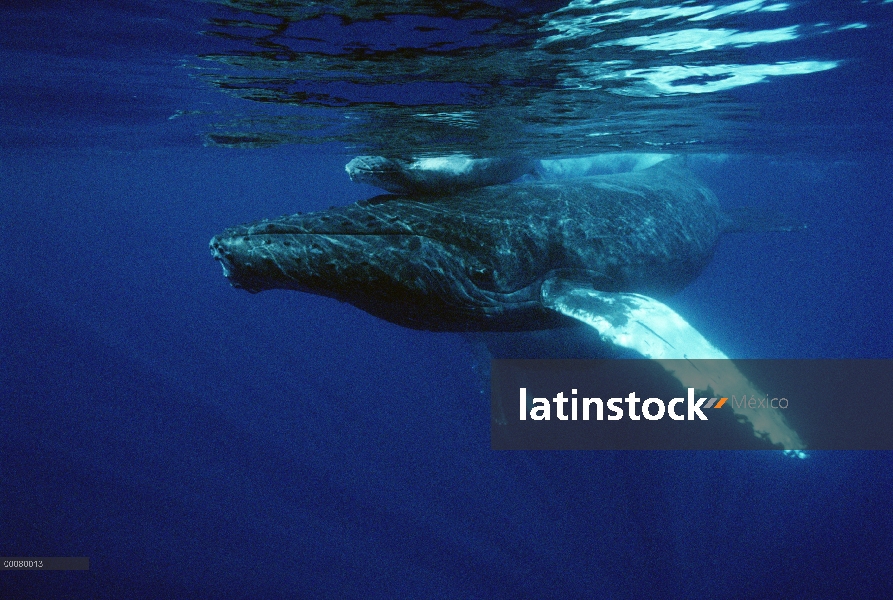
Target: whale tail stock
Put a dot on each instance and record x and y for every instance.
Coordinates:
(745, 219)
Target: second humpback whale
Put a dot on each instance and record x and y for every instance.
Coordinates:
(514, 257)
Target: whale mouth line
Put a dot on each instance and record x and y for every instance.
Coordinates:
(350, 233)
(280, 234)
(225, 244)
(225, 248)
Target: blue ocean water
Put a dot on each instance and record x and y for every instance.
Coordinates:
(197, 441)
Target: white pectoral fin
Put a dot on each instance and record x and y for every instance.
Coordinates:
(656, 331)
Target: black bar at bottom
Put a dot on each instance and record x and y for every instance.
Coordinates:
(55, 563)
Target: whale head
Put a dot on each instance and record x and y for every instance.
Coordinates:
(411, 263)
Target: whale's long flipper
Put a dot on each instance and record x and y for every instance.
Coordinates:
(656, 331)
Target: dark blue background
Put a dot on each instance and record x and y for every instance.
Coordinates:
(197, 441)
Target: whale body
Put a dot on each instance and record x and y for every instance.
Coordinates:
(477, 260)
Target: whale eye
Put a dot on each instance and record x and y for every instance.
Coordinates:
(482, 276)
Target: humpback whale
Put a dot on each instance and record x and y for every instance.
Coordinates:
(520, 256)
(477, 260)
(436, 175)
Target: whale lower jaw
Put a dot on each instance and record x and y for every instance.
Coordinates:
(223, 257)
(223, 254)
